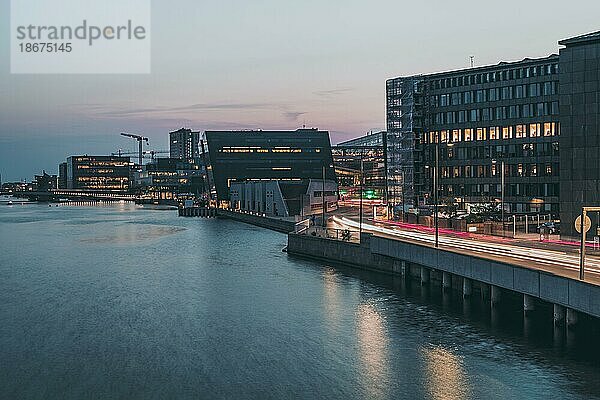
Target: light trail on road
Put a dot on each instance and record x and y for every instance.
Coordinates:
(550, 258)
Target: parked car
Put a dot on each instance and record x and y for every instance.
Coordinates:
(553, 228)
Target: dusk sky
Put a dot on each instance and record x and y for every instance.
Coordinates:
(267, 64)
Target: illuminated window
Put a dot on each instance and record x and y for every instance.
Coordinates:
(534, 130)
(468, 135)
(521, 131)
(481, 134)
(444, 137)
(456, 136)
(550, 129)
(494, 134)
(507, 132)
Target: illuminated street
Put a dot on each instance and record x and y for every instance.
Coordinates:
(557, 262)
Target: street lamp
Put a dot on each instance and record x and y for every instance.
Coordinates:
(403, 173)
(324, 203)
(362, 178)
(436, 189)
(323, 196)
(494, 162)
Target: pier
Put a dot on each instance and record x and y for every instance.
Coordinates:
(198, 212)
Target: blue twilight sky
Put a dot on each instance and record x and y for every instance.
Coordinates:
(266, 64)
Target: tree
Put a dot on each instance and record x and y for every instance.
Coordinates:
(484, 212)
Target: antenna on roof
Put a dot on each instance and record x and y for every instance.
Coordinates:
(472, 61)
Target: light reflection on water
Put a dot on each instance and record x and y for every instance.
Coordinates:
(373, 348)
(445, 374)
(121, 302)
(125, 234)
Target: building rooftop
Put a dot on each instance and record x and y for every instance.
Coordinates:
(260, 131)
(483, 68)
(587, 38)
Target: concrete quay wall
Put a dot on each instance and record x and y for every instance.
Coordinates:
(397, 257)
(580, 296)
(274, 224)
(353, 254)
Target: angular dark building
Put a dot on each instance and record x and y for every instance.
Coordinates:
(580, 129)
(239, 156)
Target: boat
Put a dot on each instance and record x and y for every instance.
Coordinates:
(10, 203)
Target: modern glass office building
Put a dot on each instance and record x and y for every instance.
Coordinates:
(481, 118)
(537, 118)
(363, 157)
(98, 173)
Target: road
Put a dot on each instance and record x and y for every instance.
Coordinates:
(556, 262)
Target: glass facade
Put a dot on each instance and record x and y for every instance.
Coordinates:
(370, 151)
(108, 173)
(406, 110)
(477, 117)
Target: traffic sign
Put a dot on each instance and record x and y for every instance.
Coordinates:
(587, 225)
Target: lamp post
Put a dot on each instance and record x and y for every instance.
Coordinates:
(501, 192)
(436, 183)
(324, 222)
(403, 187)
(362, 175)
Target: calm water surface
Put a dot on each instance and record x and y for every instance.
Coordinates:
(121, 302)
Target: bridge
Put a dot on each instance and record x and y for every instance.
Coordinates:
(72, 194)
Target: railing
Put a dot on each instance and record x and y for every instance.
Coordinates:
(342, 235)
(302, 226)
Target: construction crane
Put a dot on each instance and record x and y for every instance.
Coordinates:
(152, 153)
(140, 140)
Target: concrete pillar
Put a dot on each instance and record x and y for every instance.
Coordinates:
(424, 276)
(404, 270)
(485, 292)
(446, 281)
(528, 304)
(560, 315)
(572, 318)
(467, 287)
(495, 294)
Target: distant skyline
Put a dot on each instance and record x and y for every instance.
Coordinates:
(265, 65)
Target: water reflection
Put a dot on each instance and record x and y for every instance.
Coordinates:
(217, 311)
(331, 300)
(373, 350)
(125, 234)
(446, 377)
